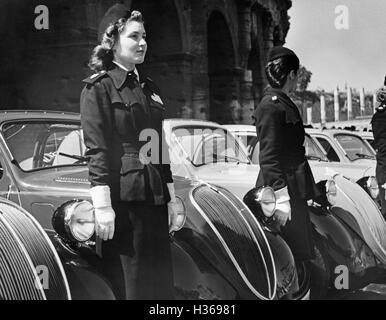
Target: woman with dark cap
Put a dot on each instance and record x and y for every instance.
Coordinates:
(133, 199)
(378, 123)
(283, 165)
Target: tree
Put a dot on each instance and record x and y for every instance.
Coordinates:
(304, 78)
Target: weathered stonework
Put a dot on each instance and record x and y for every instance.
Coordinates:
(207, 56)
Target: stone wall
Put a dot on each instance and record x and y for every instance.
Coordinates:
(207, 56)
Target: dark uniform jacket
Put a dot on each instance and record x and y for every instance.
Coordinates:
(378, 123)
(115, 108)
(282, 160)
(283, 163)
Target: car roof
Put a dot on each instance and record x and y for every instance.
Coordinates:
(331, 132)
(194, 122)
(239, 127)
(9, 115)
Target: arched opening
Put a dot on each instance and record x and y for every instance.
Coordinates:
(221, 64)
(256, 57)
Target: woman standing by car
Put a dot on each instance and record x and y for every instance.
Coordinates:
(132, 199)
(283, 165)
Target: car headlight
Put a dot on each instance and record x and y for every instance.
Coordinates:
(372, 187)
(267, 199)
(74, 220)
(261, 200)
(331, 191)
(181, 213)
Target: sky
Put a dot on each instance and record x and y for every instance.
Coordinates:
(356, 56)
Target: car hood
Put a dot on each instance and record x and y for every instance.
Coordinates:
(238, 178)
(350, 170)
(68, 179)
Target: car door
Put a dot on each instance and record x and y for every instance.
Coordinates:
(8, 189)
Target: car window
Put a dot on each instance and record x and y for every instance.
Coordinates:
(330, 152)
(312, 150)
(204, 145)
(354, 147)
(43, 145)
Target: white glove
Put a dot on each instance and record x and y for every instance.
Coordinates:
(283, 208)
(104, 213)
(172, 209)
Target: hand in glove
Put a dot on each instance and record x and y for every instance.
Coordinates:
(283, 208)
(172, 209)
(104, 213)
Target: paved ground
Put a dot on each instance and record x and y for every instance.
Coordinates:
(373, 291)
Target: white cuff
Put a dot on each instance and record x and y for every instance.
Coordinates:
(172, 192)
(282, 195)
(100, 196)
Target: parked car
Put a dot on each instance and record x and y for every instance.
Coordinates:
(363, 172)
(220, 252)
(344, 146)
(360, 211)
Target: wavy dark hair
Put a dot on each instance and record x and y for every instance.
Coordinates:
(102, 55)
(277, 70)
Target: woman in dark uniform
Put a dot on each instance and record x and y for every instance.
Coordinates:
(283, 165)
(378, 123)
(133, 199)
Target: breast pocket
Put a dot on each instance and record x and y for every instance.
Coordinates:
(132, 178)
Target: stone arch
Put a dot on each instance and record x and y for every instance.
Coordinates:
(221, 68)
(260, 43)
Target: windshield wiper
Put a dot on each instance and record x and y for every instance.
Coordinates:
(309, 157)
(364, 156)
(74, 156)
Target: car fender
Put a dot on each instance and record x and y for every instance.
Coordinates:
(85, 280)
(342, 246)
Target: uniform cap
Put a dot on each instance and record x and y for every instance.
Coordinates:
(280, 51)
(111, 16)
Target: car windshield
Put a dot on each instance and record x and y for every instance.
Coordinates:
(313, 151)
(354, 147)
(203, 145)
(38, 145)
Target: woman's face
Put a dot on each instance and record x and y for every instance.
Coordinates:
(131, 46)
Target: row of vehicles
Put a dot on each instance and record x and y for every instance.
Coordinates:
(228, 246)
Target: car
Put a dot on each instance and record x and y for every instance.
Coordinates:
(220, 252)
(360, 211)
(344, 146)
(362, 172)
(29, 263)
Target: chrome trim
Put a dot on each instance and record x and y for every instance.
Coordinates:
(44, 234)
(257, 242)
(37, 283)
(238, 268)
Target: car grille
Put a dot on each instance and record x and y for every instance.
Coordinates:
(241, 236)
(26, 251)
